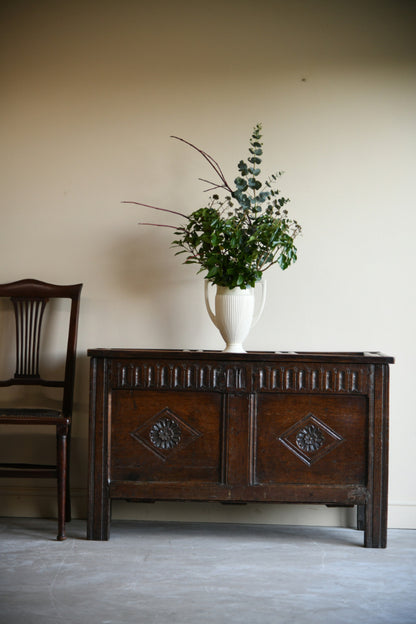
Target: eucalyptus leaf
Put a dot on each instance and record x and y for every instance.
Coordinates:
(242, 166)
(254, 184)
(254, 160)
(241, 184)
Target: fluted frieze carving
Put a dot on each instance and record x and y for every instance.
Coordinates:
(182, 376)
(311, 379)
(240, 377)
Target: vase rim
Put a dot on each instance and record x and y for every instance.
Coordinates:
(236, 290)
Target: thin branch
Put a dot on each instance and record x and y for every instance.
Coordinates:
(173, 227)
(214, 185)
(180, 214)
(210, 160)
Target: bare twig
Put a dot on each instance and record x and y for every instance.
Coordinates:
(210, 160)
(214, 185)
(173, 227)
(156, 208)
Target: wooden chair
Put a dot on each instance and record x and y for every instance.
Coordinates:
(29, 299)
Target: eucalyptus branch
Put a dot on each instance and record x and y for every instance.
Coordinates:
(234, 239)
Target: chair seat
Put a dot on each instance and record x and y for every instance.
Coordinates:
(36, 471)
(27, 415)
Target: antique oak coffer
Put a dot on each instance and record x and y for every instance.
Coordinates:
(253, 427)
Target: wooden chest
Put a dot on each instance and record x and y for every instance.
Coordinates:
(252, 427)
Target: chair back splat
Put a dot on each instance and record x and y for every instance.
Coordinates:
(30, 299)
(29, 315)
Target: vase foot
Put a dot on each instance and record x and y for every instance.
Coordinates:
(234, 348)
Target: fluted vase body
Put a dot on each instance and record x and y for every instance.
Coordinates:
(234, 314)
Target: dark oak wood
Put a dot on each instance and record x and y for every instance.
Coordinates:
(237, 428)
(29, 299)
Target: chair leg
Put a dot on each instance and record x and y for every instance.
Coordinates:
(61, 465)
(67, 480)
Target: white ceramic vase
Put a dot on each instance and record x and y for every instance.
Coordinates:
(234, 313)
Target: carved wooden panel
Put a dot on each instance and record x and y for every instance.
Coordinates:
(311, 440)
(166, 436)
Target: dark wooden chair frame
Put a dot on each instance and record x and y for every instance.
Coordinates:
(30, 298)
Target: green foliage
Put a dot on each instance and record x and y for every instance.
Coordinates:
(234, 240)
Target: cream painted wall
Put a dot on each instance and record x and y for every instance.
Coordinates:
(91, 92)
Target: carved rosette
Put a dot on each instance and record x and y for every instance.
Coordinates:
(165, 434)
(310, 439)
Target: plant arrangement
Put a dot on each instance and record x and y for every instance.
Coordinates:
(234, 239)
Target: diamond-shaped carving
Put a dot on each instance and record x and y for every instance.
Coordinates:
(310, 439)
(165, 433)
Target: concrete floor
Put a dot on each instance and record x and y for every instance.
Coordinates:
(171, 573)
